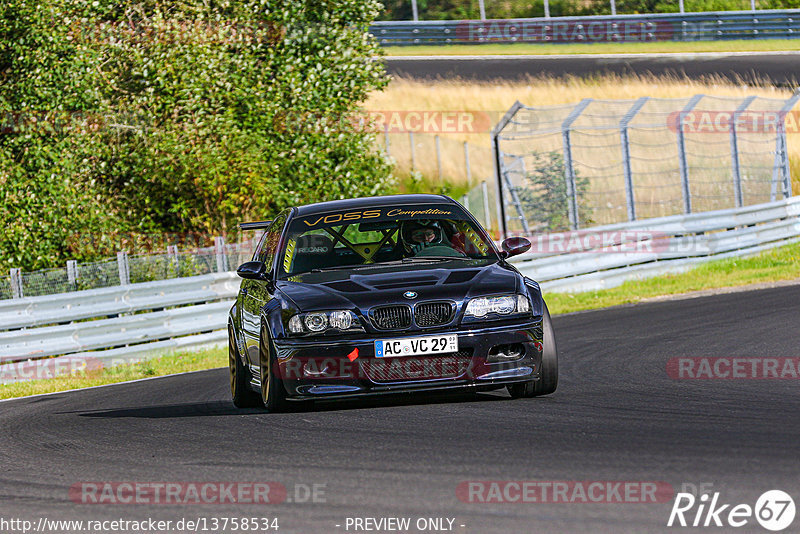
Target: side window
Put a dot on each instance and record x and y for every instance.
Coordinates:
(269, 245)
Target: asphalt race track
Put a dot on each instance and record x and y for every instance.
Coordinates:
(779, 68)
(616, 416)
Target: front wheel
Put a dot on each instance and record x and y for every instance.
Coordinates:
(548, 372)
(273, 394)
(242, 395)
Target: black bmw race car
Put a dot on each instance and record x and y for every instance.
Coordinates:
(385, 295)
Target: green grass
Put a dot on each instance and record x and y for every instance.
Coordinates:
(778, 264)
(771, 266)
(177, 362)
(767, 45)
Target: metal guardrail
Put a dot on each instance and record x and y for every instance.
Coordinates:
(128, 323)
(620, 252)
(704, 26)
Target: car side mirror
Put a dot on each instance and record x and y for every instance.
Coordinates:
(514, 246)
(252, 270)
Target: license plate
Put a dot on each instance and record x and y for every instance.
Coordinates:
(415, 346)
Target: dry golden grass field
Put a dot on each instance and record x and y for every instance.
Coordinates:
(497, 97)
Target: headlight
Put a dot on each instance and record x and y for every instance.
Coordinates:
(324, 322)
(502, 305)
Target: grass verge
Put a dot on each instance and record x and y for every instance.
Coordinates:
(771, 266)
(177, 362)
(769, 45)
(781, 263)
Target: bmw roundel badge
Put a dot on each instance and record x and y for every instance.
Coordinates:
(410, 294)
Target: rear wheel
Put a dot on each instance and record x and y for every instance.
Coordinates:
(242, 395)
(273, 394)
(548, 372)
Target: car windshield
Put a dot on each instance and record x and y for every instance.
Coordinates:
(351, 238)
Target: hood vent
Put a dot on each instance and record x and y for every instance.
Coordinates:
(459, 277)
(346, 286)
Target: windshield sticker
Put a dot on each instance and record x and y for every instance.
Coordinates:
(354, 216)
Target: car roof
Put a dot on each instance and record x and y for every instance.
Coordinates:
(371, 202)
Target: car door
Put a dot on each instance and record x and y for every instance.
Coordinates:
(255, 293)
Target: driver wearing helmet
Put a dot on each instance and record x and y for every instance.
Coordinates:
(417, 235)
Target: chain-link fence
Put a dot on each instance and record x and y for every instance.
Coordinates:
(600, 162)
(127, 269)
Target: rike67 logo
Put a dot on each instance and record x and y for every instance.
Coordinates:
(774, 510)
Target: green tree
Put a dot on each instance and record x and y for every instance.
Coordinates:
(171, 116)
(544, 194)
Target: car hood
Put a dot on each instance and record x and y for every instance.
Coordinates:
(385, 284)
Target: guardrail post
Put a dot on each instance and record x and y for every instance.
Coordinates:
(487, 216)
(626, 155)
(683, 165)
(72, 272)
(124, 268)
(737, 173)
(16, 284)
(411, 147)
(172, 253)
(219, 251)
(569, 170)
(466, 162)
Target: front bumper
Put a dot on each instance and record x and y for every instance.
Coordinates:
(320, 368)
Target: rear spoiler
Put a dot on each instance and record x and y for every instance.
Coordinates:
(256, 225)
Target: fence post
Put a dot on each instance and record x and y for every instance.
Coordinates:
(16, 284)
(781, 164)
(487, 215)
(737, 173)
(465, 201)
(172, 252)
(466, 162)
(124, 268)
(411, 146)
(438, 156)
(386, 138)
(219, 251)
(72, 272)
(498, 167)
(626, 155)
(569, 171)
(684, 167)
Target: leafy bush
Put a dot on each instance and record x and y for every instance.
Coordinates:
(152, 116)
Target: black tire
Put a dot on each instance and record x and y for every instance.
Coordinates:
(548, 381)
(273, 394)
(242, 395)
